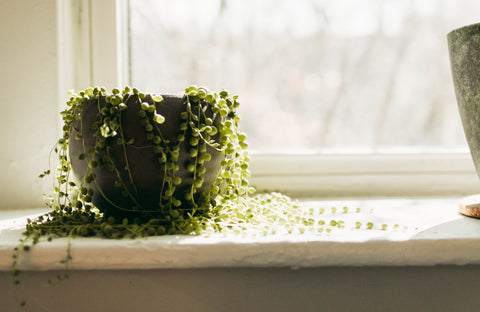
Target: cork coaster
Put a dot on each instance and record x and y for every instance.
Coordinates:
(470, 206)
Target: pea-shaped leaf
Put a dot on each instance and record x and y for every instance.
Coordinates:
(157, 98)
(159, 118)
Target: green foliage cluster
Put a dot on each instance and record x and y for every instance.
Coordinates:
(73, 212)
(229, 206)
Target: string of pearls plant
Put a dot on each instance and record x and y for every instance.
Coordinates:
(208, 127)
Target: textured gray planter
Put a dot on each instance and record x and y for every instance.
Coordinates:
(464, 49)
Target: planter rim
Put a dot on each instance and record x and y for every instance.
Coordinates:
(464, 28)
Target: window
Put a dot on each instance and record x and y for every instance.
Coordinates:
(311, 74)
(338, 97)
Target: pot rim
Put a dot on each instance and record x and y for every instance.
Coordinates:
(465, 28)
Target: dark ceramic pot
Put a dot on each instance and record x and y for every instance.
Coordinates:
(464, 50)
(145, 170)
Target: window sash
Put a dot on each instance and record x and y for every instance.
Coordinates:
(93, 37)
(380, 174)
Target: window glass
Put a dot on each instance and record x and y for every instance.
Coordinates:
(311, 74)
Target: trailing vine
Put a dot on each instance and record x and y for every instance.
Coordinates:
(193, 195)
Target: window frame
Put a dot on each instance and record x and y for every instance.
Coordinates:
(96, 52)
(92, 43)
(378, 174)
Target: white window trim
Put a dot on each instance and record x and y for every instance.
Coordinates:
(95, 53)
(380, 174)
(92, 44)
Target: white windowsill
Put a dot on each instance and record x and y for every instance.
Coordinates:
(435, 234)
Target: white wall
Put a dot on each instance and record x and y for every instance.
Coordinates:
(28, 98)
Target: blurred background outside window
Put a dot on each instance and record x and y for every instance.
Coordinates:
(323, 75)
